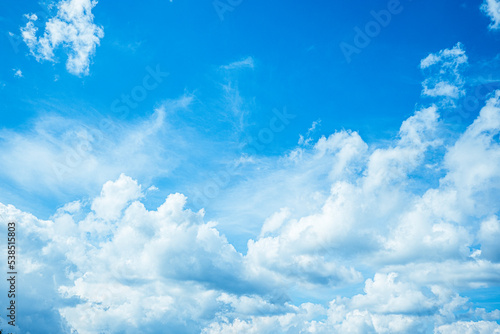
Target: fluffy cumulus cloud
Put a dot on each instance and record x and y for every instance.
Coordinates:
(492, 9)
(115, 196)
(72, 28)
(386, 306)
(480, 327)
(404, 231)
(111, 265)
(130, 269)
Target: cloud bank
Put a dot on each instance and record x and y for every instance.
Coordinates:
(411, 244)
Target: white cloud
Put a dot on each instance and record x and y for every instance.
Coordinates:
(168, 258)
(150, 268)
(384, 295)
(470, 327)
(351, 212)
(293, 322)
(466, 273)
(492, 9)
(377, 211)
(115, 196)
(386, 306)
(18, 73)
(488, 236)
(235, 109)
(307, 139)
(275, 221)
(247, 62)
(76, 158)
(444, 73)
(72, 28)
(314, 242)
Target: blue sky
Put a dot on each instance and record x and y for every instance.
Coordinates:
(252, 167)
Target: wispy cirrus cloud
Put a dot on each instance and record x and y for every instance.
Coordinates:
(247, 62)
(74, 154)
